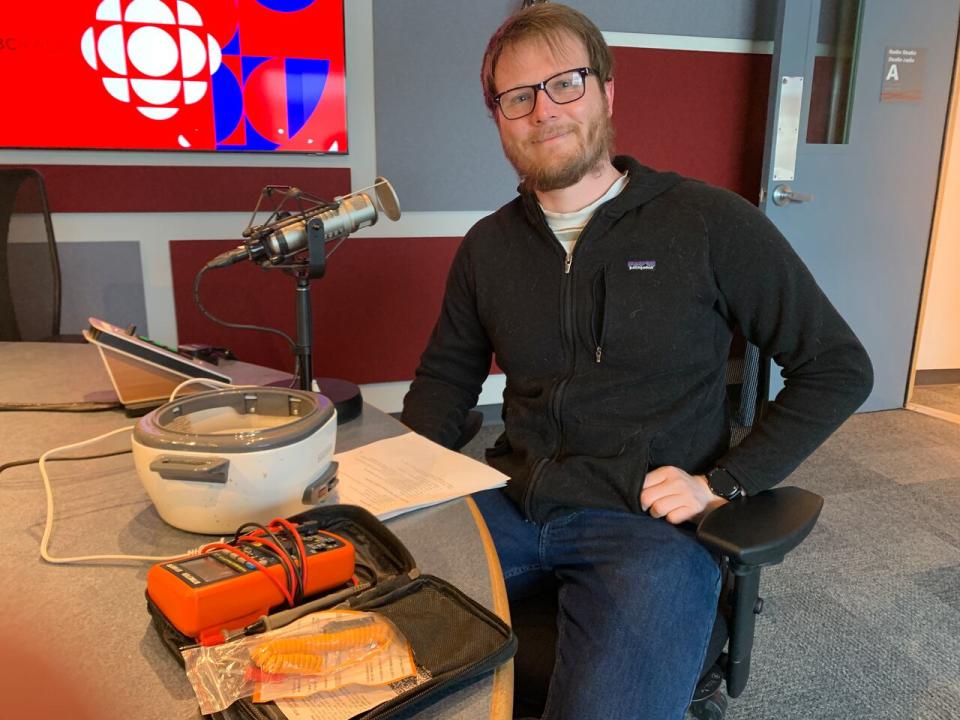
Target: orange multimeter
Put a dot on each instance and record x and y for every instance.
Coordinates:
(221, 590)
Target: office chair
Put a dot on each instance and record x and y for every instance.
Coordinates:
(748, 534)
(29, 297)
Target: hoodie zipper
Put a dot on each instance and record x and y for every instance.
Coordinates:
(599, 327)
(566, 340)
(556, 398)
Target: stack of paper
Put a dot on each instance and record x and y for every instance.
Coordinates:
(393, 476)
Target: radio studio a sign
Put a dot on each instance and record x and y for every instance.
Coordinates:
(903, 70)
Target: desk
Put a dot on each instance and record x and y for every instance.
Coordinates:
(93, 616)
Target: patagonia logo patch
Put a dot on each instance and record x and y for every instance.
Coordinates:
(641, 264)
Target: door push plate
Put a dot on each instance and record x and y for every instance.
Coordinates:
(788, 128)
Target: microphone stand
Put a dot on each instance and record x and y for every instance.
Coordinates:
(304, 344)
(344, 394)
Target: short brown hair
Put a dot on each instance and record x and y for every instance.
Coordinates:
(552, 23)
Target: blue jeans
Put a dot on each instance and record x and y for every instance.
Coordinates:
(637, 601)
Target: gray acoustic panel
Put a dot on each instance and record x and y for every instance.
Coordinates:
(435, 139)
(741, 19)
(104, 280)
(101, 280)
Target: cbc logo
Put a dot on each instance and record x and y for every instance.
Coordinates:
(148, 57)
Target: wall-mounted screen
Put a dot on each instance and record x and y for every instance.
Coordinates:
(216, 75)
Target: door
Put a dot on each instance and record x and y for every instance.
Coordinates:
(858, 104)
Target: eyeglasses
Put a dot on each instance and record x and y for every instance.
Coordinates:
(564, 87)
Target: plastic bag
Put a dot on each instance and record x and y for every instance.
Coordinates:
(323, 651)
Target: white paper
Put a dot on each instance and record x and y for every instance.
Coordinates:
(393, 476)
(346, 702)
(337, 705)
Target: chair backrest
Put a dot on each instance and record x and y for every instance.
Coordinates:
(30, 267)
(748, 387)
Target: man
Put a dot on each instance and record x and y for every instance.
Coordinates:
(608, 293)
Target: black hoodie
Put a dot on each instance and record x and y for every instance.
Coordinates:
(615, 357)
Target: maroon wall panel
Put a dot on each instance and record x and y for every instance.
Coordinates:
(702, 114)
(159, 188)
(373, 311)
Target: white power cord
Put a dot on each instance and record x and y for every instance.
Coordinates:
(203, 381)
(48, 527)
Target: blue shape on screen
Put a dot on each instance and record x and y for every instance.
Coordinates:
(306, 79)
(227, 102)
(232, 47)
(249, 64)
(286, 5)
(256, 141)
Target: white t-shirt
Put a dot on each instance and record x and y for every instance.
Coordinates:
(568, 226)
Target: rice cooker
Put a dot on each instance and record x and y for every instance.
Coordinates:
(213, 461)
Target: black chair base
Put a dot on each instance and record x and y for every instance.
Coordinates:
(709, 702)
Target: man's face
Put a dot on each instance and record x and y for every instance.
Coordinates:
(556, 145)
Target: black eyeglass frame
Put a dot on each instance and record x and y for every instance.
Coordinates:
(542, 85)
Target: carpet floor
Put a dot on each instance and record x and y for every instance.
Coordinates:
(938, 397)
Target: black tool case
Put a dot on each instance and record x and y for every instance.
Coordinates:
(453, 637)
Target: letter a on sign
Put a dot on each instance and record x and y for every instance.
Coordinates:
(892, 74)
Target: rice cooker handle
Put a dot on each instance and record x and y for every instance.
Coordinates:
(319, 488)
(193, 469)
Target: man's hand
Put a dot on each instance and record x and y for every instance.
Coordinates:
(670, 493)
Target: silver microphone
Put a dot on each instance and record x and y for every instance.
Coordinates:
(286, 238)
(353, 212)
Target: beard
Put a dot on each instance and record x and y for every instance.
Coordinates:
(564, 168)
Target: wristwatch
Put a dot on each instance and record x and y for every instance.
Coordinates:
(723, 484)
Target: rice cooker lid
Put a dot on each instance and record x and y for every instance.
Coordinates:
(235, 420)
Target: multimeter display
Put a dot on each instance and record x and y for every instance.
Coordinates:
(228, 587)
(206, 569)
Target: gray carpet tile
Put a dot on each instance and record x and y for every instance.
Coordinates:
(862, 620)
(939, 397)
(915, 465)
(942, 583)
(939, 503)
(831, 471)
(869, 433)
(804, 668)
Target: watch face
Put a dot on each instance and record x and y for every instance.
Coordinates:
(723, 484)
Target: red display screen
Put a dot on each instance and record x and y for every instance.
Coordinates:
(221, 75)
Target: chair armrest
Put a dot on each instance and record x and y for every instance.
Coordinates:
(759, 530)
(752, 532)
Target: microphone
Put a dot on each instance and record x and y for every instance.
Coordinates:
(286, 237)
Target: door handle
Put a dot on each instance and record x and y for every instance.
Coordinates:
(784, 195)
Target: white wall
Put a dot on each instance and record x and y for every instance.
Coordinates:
(939, 346)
